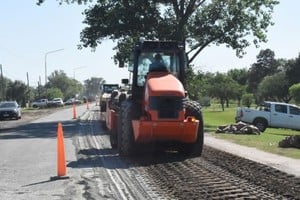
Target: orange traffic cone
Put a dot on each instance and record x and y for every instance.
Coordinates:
(74, 111)
(61, 160)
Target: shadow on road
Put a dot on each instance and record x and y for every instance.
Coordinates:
(43, 130)
(109, 158)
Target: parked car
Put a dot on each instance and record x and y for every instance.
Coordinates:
(271, 114)
(56, 102)
(72, 101)
(40, 103)
(10, 110)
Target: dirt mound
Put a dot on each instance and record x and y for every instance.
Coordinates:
(290, 141)
(238, 128)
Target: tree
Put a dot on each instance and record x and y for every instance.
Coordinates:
(223, 87)
(17, 91)
(266, 65)
(93, 86)
(197, 23)
(275, 88)
(194, 84)
(54, 93)
(69, 87)
(240, 76)
(247, 99)
(294, 91)
(293, 70)
(4, 85)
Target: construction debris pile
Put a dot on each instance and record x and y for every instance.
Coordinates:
(290, 141)
(238, 128)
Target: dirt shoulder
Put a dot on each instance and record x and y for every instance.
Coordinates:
(27, 117)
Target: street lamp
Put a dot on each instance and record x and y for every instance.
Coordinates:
(46, 61)
(76, 69)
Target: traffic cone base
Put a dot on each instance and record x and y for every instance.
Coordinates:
(54, 178)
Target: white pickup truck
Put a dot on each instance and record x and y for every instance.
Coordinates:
(271, 114)
(40, 103)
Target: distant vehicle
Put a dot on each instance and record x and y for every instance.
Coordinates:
(271, 114)
(56, 102)
(106, 91)
(40, 103)
(72, 101)
(10, 110)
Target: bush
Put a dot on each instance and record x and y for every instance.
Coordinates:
(294, 91)
(205, 101)
(247, 99)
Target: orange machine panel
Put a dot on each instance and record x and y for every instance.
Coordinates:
(111, 119)
(146, 131)
(163, 83)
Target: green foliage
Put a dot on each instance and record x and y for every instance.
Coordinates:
(205, 101)
(69, 87)
(223, 88)
(59, 85)
(239, 75)
(293, 71)
(247, 99)
(194, 84)
(54, 93)
(4, 83)
(294, 91)
(93, 85)
(15, 91)
(198, 23)
(275, 88)
(266, 65)
(39, 92)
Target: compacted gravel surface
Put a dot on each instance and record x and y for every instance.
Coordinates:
(156, 174)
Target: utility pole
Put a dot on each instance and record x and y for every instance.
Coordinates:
(28, 91)
(2, 84)
(39, 87)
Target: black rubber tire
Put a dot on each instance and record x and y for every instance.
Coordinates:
(193, 108)
(261, 124)
(114, 135)
(128, 111)
(102, 107)
(113, 141)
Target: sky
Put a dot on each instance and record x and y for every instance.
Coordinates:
(29, 32)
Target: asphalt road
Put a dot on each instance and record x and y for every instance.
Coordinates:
(28, 158)
(28, 164)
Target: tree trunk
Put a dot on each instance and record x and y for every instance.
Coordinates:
(222, 104)
(227, 103)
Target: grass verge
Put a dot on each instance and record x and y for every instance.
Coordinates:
(267, 141)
